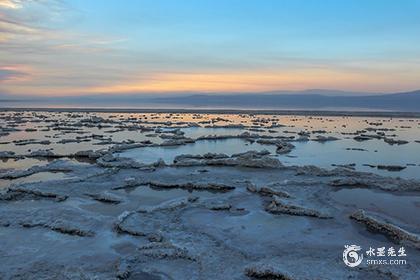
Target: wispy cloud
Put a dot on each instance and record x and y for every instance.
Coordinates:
(53, 48)
(59, 59)
(11, 4)
(13, 73)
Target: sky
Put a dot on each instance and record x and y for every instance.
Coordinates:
(80, 47)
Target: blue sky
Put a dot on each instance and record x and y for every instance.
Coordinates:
(55, 47)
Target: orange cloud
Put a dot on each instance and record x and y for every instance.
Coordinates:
(240, 81)
(237, 82)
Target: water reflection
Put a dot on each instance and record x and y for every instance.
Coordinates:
(401, 207)
(118, 127)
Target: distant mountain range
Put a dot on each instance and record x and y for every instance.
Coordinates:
(407, 101)
(316, 99)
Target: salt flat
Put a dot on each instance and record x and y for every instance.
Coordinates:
(161, 195)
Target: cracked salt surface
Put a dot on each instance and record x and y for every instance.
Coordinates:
(93, 215)
(226, 146)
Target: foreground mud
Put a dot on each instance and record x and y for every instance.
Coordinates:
(93, 214)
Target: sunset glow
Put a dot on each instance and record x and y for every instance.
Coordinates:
(56, 48)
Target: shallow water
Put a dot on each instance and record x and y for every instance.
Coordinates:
(119, 127)
(376, 152)
(402, 207)
(226, 146)
(37, 177)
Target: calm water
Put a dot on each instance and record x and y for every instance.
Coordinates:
(118, 127)
(400, 207)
